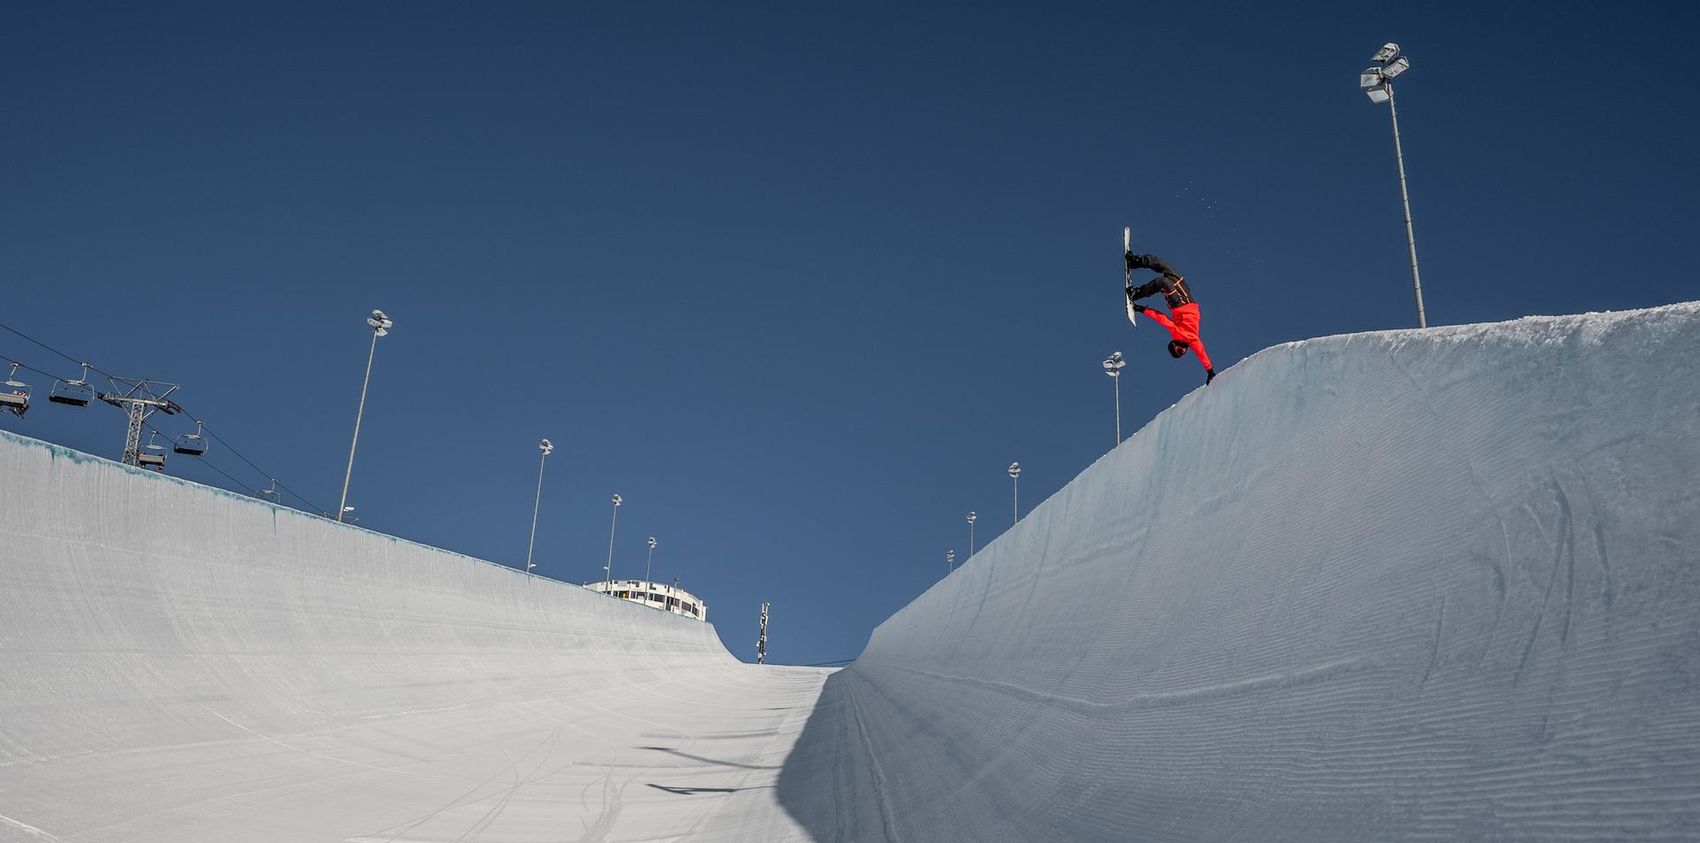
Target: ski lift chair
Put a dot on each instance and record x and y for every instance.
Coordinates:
(193, 444)
(77, 392)
(153, 456)
(14, 393)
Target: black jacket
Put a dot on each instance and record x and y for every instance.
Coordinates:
(1170, 283)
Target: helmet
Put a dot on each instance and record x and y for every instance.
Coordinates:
(1177, 348)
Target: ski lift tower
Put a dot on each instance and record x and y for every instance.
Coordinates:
(140, 398)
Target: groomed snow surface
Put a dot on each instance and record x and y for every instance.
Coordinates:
(1407, 585)
(183, 664)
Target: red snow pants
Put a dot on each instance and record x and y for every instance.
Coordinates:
(1183, 327)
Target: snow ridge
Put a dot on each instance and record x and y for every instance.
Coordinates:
(1439, 584)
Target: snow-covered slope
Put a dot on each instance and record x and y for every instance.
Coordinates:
(1440, 584)
(182, 664)
(1407, 585)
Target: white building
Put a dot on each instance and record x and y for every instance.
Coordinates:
(654, 595)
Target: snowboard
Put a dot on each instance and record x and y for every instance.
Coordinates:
(1127, 276)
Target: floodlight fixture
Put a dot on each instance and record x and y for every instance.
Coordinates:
(380, 323)
(546, 447)
(1113, 364)
(1386, 53)
(1396, 67)
(1370, 78)
(1379, 94)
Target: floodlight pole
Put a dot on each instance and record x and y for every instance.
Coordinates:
(380, 326)
(949, 561)
(1113, 367)
(545, 446)
(1405, 196)
(971, 517)
(1118, 382)
(761, 638)
(651, 563)
(608, 569)
(1015, 491)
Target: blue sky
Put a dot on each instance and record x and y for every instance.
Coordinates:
(798, 281)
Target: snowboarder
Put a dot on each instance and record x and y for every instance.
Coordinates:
(1182, 319)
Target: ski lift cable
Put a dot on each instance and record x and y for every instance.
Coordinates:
(221, 440)
(22, 365)
(263, 473)
(46, 374)
(209, 431)
(239, 455)
(209, 464)
(75, 360)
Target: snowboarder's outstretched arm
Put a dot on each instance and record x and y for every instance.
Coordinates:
(1160, 318)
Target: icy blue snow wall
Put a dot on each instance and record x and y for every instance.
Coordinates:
(1438, 584)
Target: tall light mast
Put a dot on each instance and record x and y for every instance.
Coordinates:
(381, 325)
(546, 447)
(608, 569)
(761, 638)
(1377, 83)
(1015, 489)
(1113, 367)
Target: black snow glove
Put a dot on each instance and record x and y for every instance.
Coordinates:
(1209, 375)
